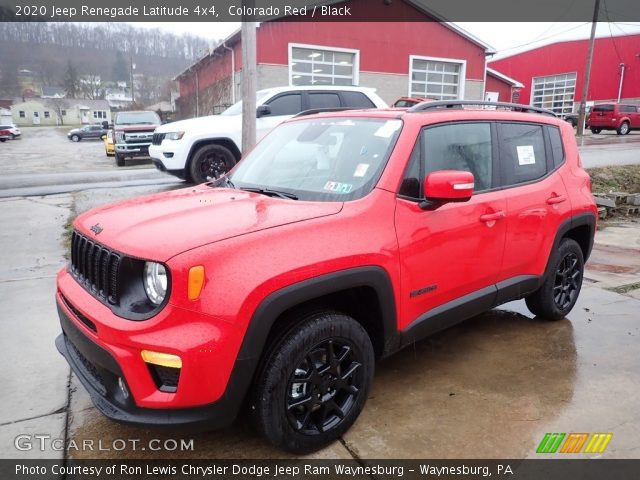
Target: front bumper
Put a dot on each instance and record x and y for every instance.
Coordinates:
(104, 355)
(133, 149)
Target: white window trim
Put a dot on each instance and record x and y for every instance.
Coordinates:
(463, 71)
(356, 58)
(533, 83)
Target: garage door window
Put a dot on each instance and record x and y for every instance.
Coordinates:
(310, 65)
(437, 79)
(555, 92)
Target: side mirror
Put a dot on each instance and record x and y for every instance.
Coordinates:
(444, 186)
(263, 110)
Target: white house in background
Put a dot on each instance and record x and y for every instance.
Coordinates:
(59, 111)
(117, 97)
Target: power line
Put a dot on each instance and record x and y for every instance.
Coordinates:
(615, 47)
(543, 39)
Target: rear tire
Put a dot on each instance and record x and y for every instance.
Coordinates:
(314, 382)
(120, 160)
(623, 129)
(595, 131)
(210, 162)
(559, 292)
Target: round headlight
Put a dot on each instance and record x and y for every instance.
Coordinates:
(155, 282)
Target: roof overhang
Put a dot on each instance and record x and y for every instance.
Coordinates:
(504, 78)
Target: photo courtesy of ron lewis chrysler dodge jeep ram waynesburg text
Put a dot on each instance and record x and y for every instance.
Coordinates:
(339, 239)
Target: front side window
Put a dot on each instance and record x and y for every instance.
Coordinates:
(322, 66)
(555, 92)
(464, 146)
(324, 100)
(288, 104)
(437, 79)
(522, 153)
(328, 159)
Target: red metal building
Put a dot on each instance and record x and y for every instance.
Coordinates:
(553, 75)
(426, 59)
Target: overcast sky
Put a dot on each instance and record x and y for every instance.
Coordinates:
(507, 38)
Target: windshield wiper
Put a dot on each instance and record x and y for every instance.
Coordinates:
(271, 193)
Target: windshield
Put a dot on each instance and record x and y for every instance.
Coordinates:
(137, 118)
(236, 108)
(322, 159)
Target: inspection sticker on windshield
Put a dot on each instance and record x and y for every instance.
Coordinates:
(526, 155)
(338, 187)
(361, 170)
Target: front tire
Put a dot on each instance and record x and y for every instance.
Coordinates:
(559, 292)
(623, 129)
(210, 162)
(314, 383)
(119, 160)
(75, 138)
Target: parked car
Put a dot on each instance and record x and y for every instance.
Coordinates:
(406, 102)
(203, 148)
(614, 116)
(88, 131)
(109, 148)
(338, 240)
(132, 132)
(571, 118)
(14, 131)
(5, 135)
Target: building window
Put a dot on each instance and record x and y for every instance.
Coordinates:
(436, 78)
(99, 114)
(21, 114)
(313, 65)
(555, 92)
(46, 114)
(64, 113)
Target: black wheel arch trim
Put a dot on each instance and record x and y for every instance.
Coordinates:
(582, 219)
(222, 141)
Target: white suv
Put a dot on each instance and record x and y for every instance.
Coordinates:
(202, 148)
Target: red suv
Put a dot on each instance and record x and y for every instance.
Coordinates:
(340, 239)
(614, 116)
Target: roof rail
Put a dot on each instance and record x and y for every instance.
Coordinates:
(313, 111)
(442, 104)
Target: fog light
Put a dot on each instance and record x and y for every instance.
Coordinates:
(162, 359)
(123, 387)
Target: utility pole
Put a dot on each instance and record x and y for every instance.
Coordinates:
(248, 34)
(587, 74)
(132, 66)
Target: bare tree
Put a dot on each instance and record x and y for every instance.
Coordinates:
(91, 86)
(59, 105)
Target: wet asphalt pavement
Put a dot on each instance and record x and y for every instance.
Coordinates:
(488, 388)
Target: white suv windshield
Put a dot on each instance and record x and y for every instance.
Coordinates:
(322, 159)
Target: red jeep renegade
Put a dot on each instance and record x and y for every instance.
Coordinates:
(340, 239)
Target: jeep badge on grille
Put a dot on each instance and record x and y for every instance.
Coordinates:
(96, 228)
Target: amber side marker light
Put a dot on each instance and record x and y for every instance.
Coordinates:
(162, 359)
(196, 282)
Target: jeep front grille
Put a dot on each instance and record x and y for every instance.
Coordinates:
(158, 138)
(95, 267)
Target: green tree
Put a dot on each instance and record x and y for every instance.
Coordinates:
(120, 68)
(71, 82)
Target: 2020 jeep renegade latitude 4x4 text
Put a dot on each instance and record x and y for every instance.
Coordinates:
(339, 239)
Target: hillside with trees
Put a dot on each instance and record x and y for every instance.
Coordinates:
(59, 54)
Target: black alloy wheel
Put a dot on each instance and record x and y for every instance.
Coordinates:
(211, 162)
(324, 387)
(567, 282)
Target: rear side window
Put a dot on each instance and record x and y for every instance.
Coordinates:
(556, 146)
(289, 104)
(628, 108)
(522, 153)
(357, 100)
(324, 100)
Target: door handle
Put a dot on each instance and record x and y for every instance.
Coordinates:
(556, 199)
(492, 217)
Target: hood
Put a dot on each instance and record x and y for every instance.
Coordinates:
(158, 227)
(209, 124)
(73, 130)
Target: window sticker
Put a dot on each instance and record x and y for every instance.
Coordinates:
(526, 156)
(361, 170)
(389, 128)
(338, 187)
